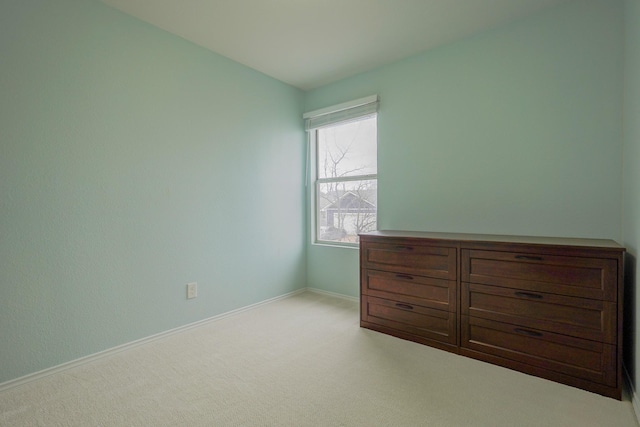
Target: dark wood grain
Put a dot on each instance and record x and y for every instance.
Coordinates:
(546, 306)
(419, 290)
(412, 258)
(586, 359)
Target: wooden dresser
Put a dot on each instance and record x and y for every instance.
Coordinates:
(550, 307)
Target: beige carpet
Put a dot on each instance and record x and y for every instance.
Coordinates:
(300, 361)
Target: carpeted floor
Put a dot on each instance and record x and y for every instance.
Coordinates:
(300, 361)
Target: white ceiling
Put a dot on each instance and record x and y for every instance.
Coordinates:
(309, 43)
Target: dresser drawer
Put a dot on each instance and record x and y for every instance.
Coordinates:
(419, 290)
(578, 317)
(549, 307)
(429, 261)
(438, 325)
(578, 358)
(594, 278)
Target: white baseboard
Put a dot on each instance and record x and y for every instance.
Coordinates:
(333, 294)
(632, 393)
(111, 351)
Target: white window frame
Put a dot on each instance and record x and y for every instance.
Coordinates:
(358, 109)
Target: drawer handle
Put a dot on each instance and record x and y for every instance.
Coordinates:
(529, 257)
(527, 332)
(404, 248)
(404, 306)
(404, 276)
(528, 295)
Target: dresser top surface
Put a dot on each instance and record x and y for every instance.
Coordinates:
(495, 238)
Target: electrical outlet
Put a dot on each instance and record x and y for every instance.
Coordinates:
(192, 290)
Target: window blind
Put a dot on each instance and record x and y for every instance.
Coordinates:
(341, 113)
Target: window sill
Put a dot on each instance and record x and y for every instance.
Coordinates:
(337, 245)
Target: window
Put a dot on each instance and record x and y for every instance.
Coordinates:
(344, 154)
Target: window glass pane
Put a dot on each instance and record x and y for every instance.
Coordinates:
(348, 149)
(345, 209)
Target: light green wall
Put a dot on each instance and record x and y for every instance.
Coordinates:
(516, 130)
(631, 168)
(131, 163)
